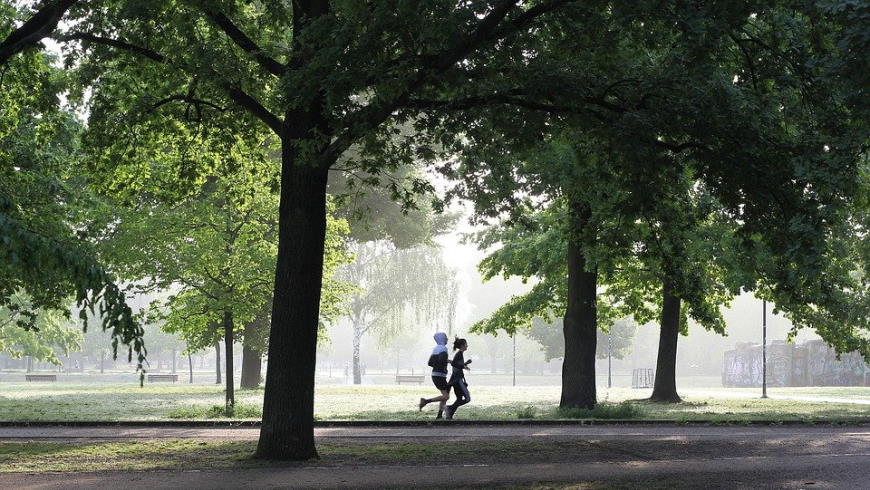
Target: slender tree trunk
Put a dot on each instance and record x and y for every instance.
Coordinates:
(287, 431)
(190, 366)
(217, 363)
(357, 340)
(102, 360)
(252, 362)
(665, 387)
(228, 347)
(580, 324)
(174, 355)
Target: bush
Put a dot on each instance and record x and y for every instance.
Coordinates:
(528, 412)
(242, 411)
(624, 410)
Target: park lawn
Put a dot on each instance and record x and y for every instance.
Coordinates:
(20, 402)
(146, 455)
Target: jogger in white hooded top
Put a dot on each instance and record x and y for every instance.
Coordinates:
(438, 361)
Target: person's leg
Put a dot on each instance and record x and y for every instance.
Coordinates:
(445, 395)
(462, 397)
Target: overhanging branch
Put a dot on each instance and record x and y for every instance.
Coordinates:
(243, 41)
(41, 25)
(238, 95)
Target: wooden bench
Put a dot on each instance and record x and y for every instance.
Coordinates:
(163, 377)
(410, 378)
(40, 377)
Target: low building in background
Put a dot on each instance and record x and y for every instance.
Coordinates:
(812, 363)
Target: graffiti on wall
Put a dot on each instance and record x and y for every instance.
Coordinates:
(810, 364)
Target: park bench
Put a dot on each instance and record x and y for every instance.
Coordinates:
(40, 377)
(163, 377)
(410, 378)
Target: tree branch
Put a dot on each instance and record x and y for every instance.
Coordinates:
(41, 25)
(188, 99)
(486, 30)
(243, 41)
(115, 43)
(238, 95)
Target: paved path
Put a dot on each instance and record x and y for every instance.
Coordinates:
(636, 456)
(441, 432)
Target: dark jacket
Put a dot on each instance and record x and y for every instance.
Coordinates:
(439, 364)
(458, 364)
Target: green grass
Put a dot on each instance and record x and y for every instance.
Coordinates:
(623, 411)
(22, 402)
(36, 457)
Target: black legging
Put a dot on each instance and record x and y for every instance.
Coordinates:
(460, 389)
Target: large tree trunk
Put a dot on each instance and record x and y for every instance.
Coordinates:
(580, 325)
(287, 431)
(217, 363)
(357, 340)
(665, 388)
(228, 347)
(252, 365)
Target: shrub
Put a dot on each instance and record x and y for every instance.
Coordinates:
(528, 412)
(624, 410)
(242, 411)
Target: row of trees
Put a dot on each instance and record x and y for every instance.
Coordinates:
(602, 128)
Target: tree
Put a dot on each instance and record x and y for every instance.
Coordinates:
(665, 98)
(393, 286)
(618, 336)
(48, 335)
(44, 256)
(215, 251)
(322, 77)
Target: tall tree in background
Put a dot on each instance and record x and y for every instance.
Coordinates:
(215, 251)
(48, 335)
(393, 287)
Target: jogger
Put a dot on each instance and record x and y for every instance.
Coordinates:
(457, 377)
(438, 362)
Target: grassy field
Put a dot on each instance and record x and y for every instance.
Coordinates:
(20, 402)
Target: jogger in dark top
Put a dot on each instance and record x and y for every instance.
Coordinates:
(438, 362)
(457, 377)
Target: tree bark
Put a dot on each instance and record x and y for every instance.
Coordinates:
(287, 431)
(251, 367)
(228, 347)
(580, 324)
(357, 340)
(665, 387)
(190, 366)
(217, 363)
